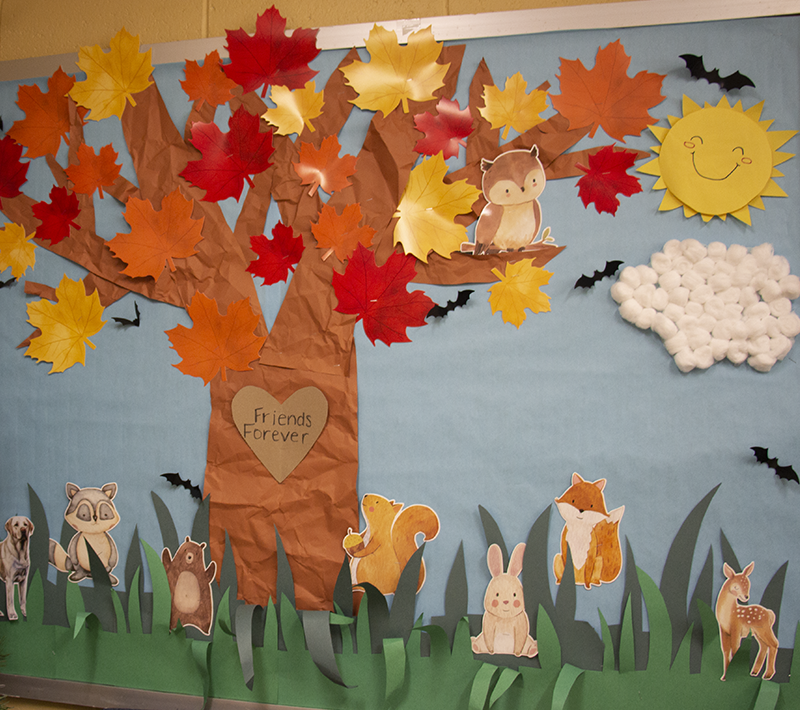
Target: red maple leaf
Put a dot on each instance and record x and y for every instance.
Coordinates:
(379, 295)
(269, 56)
(606, 178)
(94, 171)
(277, 256)
(228, 158)
(12, 171)
(444, 132)
(56, 216)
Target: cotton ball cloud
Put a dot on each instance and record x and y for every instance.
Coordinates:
(709, 303)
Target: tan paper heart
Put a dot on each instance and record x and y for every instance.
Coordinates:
(280, 435)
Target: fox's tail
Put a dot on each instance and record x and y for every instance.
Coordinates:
(59, 557)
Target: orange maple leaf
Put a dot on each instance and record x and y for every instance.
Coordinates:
(94, 171)
(207, 84)
(46, 119)
(606, 96)
(157, 236)
(216, 342)
(323, 168)
(340, 233)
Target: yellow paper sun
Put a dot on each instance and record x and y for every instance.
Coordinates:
(717, 160)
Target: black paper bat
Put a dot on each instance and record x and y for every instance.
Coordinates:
(785, 472)
(126, 321)
(10, 282)
(176, 480)
(461, 300)
(733, 81)
(588, 281)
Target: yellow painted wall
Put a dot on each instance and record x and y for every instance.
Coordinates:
(37, 28)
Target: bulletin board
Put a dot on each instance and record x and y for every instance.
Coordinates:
(596, 359)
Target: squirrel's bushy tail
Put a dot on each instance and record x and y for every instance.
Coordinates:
(409, 523)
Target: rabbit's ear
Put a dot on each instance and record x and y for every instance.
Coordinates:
(515, 565)
(494, 559)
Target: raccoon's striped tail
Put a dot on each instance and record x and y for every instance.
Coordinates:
(58, 557)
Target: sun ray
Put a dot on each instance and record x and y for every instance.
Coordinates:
(718, 160)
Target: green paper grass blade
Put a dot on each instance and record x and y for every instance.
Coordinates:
(661, 631)
(439, 643)
(455, 596)
(317, 628)
(271, 626)
(702, 591)
(608, 645)
(134, 608)
(285, 584)
(200, 523)
(243, 627)
(74, 600)
(711, 660)
(223, 618)
(81, 620)
(632, 596)
(118, 612)
(627, 650)
(401, 616)
(35, 600)
(566, 596)
(394, 656)
(566, 679)
(480, 686)
(794, 672)
(169, 535)
(133, 562)
(728, 555)
(773, 594)
(201, 652)
(536, 569)
(100, 595)
(378, 617)
(547, 640)
(681, 663)
(39, 547)
(343, 591)
(340, 619)
(462, 645)
(767, 697)
(162, 599)
(678, 568)
(228, 582)
(492, 532)
(291, 628)
(504, 682)
(363, 643)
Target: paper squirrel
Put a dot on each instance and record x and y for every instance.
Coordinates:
(92, 513)
(591, 532)
(506, 627)
(511, 183)
(379, 553)
(190, 585)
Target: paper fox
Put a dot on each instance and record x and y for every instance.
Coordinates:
(591, 532)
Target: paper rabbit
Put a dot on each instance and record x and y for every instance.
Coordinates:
(505, 622)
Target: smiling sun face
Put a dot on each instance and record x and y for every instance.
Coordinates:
(717, 160)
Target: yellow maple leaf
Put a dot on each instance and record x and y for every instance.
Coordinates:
(16, 249)
(428, 209)
(396, 74)
(66, 325)
(513, 107)
(112, 77)
(519, 288)
(294, 109)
